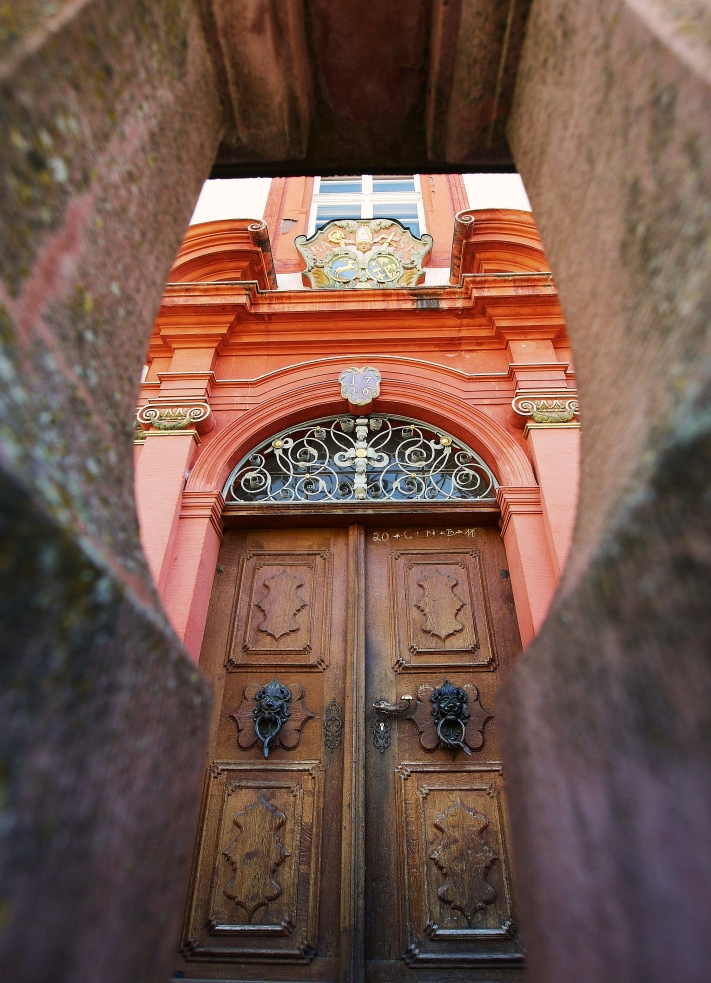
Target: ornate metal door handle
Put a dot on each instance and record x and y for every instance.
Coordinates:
(383, 713)
(451, 715)
(449, 709)
(391, 710)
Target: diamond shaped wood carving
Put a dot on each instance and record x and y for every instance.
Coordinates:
(280, 605)
(440, 604)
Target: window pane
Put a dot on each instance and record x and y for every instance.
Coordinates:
(341, 185)
(325, 213)
(407, 214)
(394, 182)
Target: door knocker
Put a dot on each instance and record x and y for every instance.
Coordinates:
(448, 716)
(451, 715)
(270, 712)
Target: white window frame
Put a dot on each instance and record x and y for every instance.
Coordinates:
(366, 198)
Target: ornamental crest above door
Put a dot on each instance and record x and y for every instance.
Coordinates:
(363, 253)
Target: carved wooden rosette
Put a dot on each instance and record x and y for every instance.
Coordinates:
(290, 734)
(427, 729)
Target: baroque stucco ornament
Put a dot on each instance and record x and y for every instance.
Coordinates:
(169, 417)
(547, 408)
(360, 386)
(351, 253)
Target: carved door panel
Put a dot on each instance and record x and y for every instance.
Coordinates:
(439, 893)
(266, 894)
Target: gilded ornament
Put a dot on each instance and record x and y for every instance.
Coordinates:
(357, 253)
(547, 408)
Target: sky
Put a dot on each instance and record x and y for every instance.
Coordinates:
(247, 197)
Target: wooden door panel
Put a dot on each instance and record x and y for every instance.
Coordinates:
(283, 610)
(441, 611)
(277, 888)
(265, 896)
(459, 905)
(256, 896)
(439, 894)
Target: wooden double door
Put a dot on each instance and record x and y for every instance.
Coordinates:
(338, 841)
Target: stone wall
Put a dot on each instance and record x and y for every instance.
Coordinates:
(109, 123)
(609, 711)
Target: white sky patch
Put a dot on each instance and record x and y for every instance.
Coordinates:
(247, 197)
(232, 198)
(496, 191)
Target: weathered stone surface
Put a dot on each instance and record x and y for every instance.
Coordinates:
(607, 718)
(103, 721)
(109, 121)
(324, 86)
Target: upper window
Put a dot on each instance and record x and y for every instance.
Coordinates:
(341, 185)
(368, 196)
(385, 184)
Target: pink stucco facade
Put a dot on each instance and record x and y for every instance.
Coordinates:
(486, 357)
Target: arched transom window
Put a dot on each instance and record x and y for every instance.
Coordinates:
(347, 458)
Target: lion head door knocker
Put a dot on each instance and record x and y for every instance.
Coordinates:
(271, 715)
(270, 712)
(450, 713)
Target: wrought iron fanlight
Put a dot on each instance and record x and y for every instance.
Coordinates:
(346, 458)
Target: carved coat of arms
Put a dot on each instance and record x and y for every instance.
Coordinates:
(360, 386)
(350, 253)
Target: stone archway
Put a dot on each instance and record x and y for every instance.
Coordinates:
(113, 119)
(425, 395)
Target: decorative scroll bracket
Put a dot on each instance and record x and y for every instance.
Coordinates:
(549, 409)
(166, 416)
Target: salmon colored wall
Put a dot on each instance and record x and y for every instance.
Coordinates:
(287, 216)
(443, 195)
(258, 361)
(555, 452)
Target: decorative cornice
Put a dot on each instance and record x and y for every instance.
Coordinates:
(495, 240)
(204, 505)
(550, 426)
(174, 417)
(517, 500)
(546, 408)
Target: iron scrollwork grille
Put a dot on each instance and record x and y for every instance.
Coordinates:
(347, 458)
